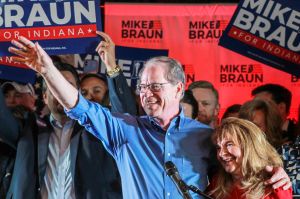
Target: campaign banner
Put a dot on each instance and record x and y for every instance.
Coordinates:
(60, 27)
(266, 31)
(131, 61)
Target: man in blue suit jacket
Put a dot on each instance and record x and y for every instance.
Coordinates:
(79, 168)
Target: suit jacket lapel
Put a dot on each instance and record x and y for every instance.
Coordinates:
(74, 144)
(43, 143)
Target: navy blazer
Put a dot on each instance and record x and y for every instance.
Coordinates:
(93, 169)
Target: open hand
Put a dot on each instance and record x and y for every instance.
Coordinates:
(279, 178)
(30, 54)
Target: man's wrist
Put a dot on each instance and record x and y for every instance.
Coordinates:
(114, 72)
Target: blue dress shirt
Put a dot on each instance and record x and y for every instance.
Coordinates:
(141, 147)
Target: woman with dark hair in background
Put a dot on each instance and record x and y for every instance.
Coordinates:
(265, 115)
(232, 111)
(189, 105)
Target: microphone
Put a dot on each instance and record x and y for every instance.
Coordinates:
(172, 172)
(199, 192)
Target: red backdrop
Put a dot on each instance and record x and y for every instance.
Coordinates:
(191, 34)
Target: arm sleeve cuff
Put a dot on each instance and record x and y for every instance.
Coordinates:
(81, 107)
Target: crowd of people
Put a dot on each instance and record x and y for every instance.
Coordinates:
(97, 139)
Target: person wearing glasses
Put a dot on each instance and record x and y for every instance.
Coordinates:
(140, 145)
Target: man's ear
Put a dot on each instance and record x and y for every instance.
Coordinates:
(180, 90)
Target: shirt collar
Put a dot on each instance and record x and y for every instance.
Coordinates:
(56, 123)
(176, 122)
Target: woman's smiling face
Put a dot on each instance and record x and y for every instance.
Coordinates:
(229, 154)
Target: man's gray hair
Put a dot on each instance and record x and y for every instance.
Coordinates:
(174, 73)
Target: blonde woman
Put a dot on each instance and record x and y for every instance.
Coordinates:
(243, 153)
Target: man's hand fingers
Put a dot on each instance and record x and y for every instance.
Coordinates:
(17, 51)
(102, 47)
(18, 59)
(105, 36)
(26, 42)
(287, 186)
(19, 45)
(282, 182)
(279, 178)
(40, 51)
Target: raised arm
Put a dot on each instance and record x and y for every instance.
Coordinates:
(36, 58)
(121, 97)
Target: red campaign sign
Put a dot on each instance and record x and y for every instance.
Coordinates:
(191, 33)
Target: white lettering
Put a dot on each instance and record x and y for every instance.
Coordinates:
(268, 8)
(54, 15)
(294, 37)
(294, 20)
(37, 14)
(278, 35)
(258, 5)
(261, 25)
(9, 18)
(78, 62)
(80, 31)
(47, 33)
(277, 13)
(7, 35)
(61, 33)
(80, 10)
(244, 19)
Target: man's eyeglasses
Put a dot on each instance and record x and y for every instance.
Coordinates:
(154, 87)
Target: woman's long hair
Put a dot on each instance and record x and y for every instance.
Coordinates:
(257, 154)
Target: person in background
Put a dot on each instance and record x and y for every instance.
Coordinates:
(94, 87)
(232, 111)
(266, 116)
(9, 126)
(282, 97)
(207, 97)
(243, 153)
(94, 174)
(19, 94)
(290, 153)
(140, 145)
(189, 105)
